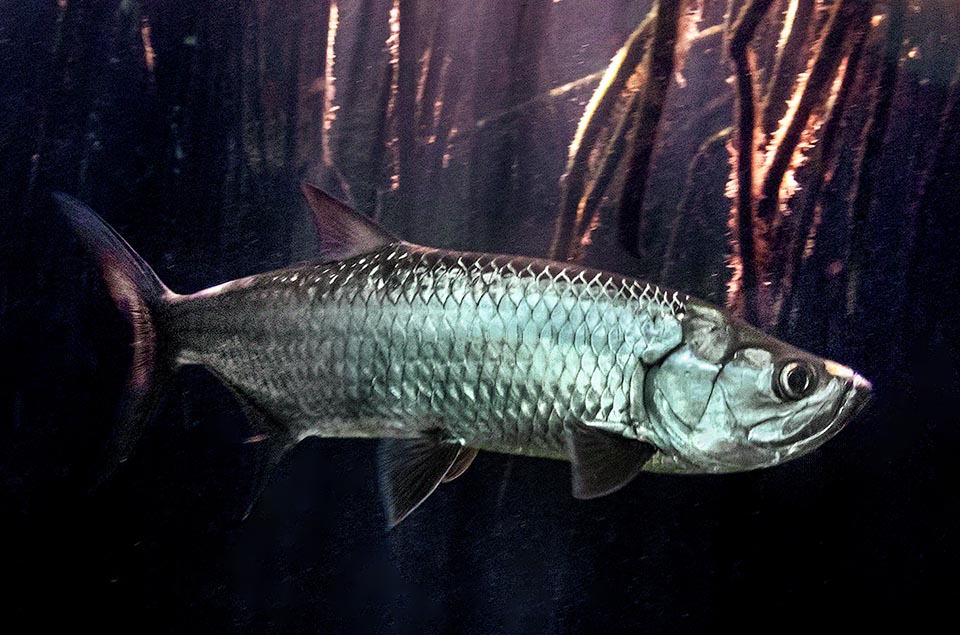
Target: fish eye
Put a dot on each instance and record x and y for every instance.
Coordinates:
(796, 380)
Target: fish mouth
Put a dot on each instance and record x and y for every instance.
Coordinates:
(857, 393)
(856, 396)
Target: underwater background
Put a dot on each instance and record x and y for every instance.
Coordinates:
(796, 160)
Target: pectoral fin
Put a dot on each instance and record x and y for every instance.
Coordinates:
(410, 469)
(602, 462)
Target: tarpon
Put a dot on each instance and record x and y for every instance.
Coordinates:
(444, 353)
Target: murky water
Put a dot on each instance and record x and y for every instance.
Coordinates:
(489, 126)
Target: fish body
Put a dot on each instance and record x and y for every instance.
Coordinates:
(500, 352)
(445, 353)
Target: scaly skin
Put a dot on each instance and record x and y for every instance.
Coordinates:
(498, 351)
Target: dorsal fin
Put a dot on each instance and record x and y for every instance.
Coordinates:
(343, 232)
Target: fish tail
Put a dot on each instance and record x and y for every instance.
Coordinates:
(140, 296)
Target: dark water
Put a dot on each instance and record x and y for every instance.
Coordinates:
(189, 127)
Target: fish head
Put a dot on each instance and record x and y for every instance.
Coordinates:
(732, 398)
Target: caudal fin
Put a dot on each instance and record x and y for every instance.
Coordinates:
(138, 294)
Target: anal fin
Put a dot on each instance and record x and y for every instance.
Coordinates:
(411, 469)
(601, 462)
(272, 442)
(271, 450)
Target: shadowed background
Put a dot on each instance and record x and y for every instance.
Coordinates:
(797, 160)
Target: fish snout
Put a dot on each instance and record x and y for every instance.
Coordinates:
(858, 392)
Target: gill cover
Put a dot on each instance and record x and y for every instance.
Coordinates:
(731, 398)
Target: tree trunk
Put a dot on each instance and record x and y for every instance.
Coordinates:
(646, 123)
(747, 292)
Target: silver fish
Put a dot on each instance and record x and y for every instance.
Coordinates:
(445, 353)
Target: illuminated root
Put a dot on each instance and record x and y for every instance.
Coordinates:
(592, 123)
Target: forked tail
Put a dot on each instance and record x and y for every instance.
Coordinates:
(139, 295)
